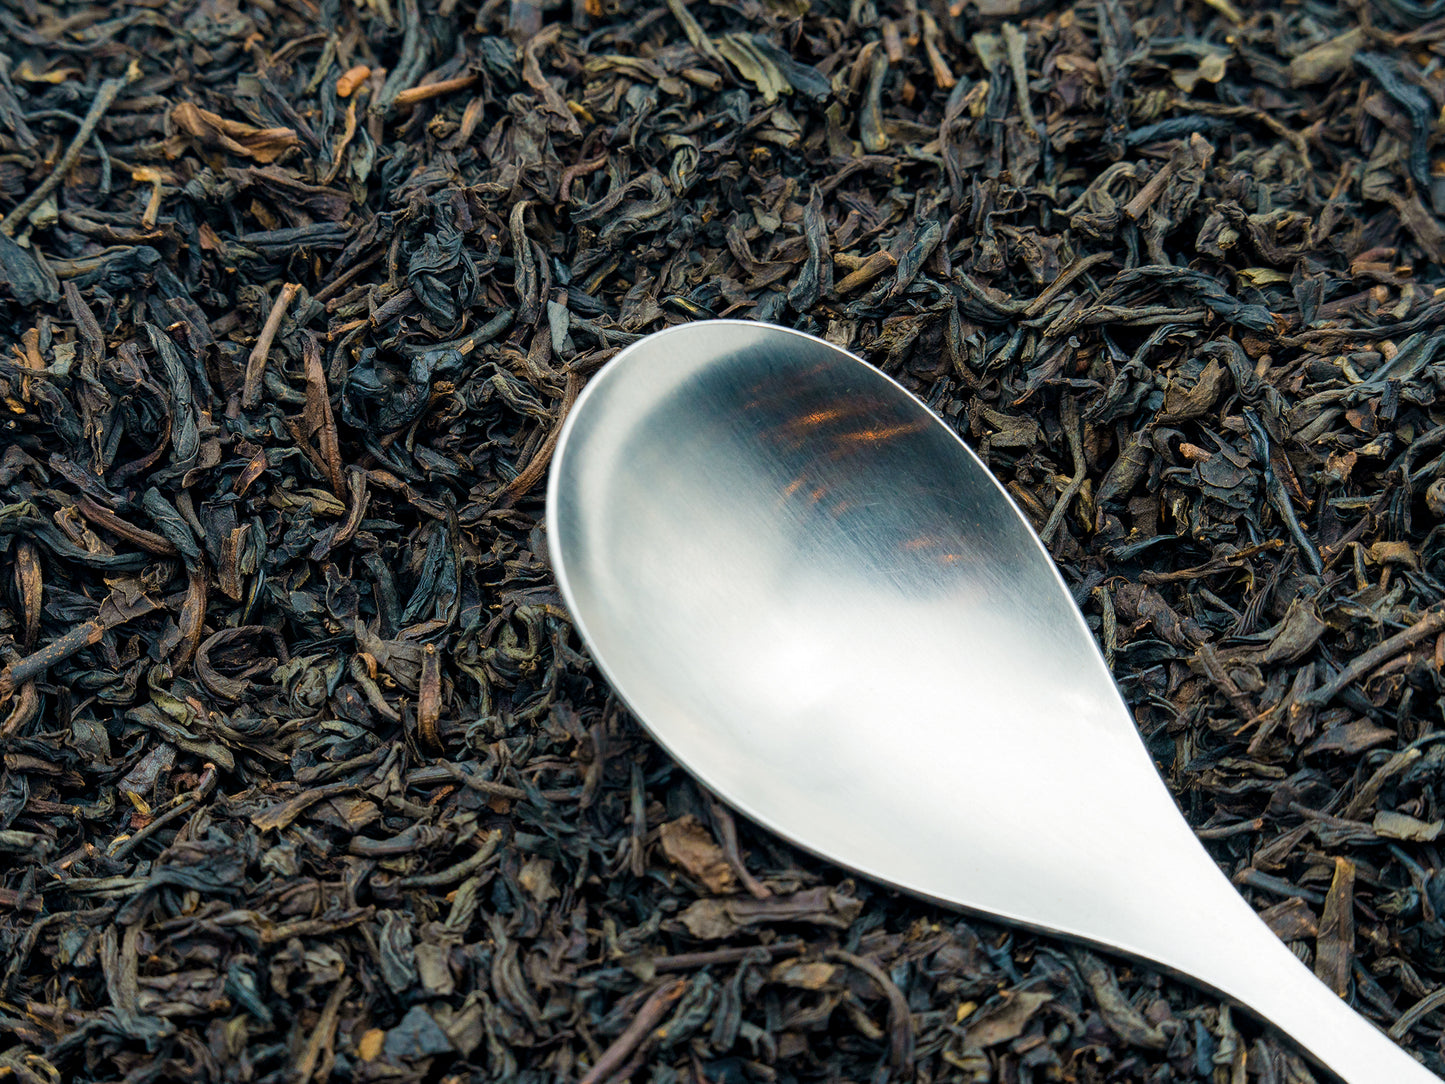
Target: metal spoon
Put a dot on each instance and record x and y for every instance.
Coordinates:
(820, 601)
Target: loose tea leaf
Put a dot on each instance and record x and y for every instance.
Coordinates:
(1335, 945)
(687, 844)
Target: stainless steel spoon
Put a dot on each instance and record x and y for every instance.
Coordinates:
(820, 601)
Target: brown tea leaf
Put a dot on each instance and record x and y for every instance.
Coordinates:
(714, 919)
(689, 845)
(1402, 826)
(1182, 403)
(1296, 634)
(1351, 738)
(1394, 553)
(536, 877)
(370, 1044)
(1004, 1019)
(1123, 1019)
(1335, 946)
(282, 814)
(1291, 920)
(1326, 60)
(214, 132)
(803, 974)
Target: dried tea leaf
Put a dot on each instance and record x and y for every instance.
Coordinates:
(1351, 738)
(283, 814)
(370, 1044)
(1335, 946)
(1210, 69)
(434, 970)
(1338, 466)
(715, 919)
(1296, 634)
(739, 51)
(1127, 470)
(803, 78)
(1004, 1018)
(1326, 60)
(688, 844)
(535, 877)
(21, 278)
(417, 1036)
(1182, 403)
(141, 780)
(803, 974)
(1142, 603)
(1393, 553)
(1118, 1013)
(214, 132)
(1402, 826)
(396, 957)
(1291, 920)
(1263, 276)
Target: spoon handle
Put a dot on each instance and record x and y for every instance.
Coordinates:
(1253, 967)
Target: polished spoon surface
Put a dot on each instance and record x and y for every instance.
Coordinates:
(824, 606)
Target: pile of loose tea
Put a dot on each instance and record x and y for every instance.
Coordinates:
(306, 775)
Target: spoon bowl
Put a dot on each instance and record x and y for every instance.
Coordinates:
(823, 605)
